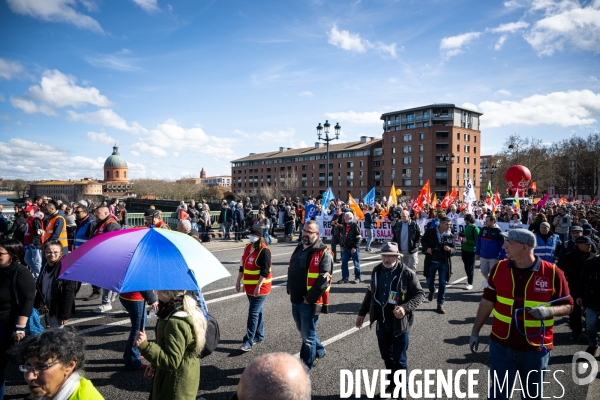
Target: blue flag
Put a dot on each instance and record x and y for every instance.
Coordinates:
(327, 197)
(369, 199)
(309, 211)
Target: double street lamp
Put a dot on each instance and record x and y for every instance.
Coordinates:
(324, 130)
(449, 159)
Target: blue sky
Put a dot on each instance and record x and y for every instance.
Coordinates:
(182, 85)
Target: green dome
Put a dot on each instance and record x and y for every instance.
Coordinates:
(115, 160)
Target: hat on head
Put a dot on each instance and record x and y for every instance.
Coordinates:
(28, 208)
(151, 213)
(547, 225)
(389, 249)
(256, 230)
(575, 228)
(586, 227)
(522, 236)
(583, 240)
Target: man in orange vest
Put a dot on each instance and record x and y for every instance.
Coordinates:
(525, 293)
(56, 227)
(309, 279)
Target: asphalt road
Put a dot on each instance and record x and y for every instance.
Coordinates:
(436, 341)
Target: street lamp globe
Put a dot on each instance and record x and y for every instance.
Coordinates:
(326, 125)
(337, 130)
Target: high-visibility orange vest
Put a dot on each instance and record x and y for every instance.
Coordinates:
(252, 271)
(539, 290)
(62, 238)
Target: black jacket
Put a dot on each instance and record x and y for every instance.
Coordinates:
(270, 211)
(430, 240)
(414, 235)
(589, 284)
(225, 216)
(411, 295)
(62, 303)
(193, 213)
(352, 239)
(572, 265)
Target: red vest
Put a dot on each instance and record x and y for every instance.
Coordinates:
(30, 230)
(99, 230)
(313, 274)
(539, 290)
(252, 271)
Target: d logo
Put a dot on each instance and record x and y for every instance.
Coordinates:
(582, 367)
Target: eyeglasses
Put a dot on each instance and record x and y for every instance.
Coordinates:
(309, 232)
(53, 252)
(37, 368)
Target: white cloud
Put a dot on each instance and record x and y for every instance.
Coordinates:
(170, 136)
(367, 117)
(453, 45)
(281, 136)
(2, 98)
(354, 43)
(59, 90)
(101, 138)
(135, 153)
(470, 106)
(559, 108)
(510, 27)
(55, 11)
(30, 107)
(566, 24)
(500, 42)
(119, 61)
(512, 4)
(10, 69)
(106, 117)
(147, 5)
(33, 160)
(503, 92)
(306, 93)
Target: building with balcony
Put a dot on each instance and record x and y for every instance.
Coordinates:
(418, 144)
(350, 169)
(67, 190)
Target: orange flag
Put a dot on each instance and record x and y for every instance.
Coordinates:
(354, 207)
(435, 200)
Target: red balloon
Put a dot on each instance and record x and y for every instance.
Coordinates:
(517, 177)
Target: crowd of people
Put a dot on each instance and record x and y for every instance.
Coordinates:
(554, 244)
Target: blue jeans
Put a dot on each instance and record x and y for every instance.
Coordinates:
(346, 255)
(256, 322)
(137, 313)
(443, 270)
(369, 238)
(33, 258)
(267, 236)
(507, 362)
(392, 348)
(281, 214)
(306, 322)
(591, 318)
(225, 228)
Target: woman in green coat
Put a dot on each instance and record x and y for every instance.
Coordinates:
(180, 337)
(467, 248)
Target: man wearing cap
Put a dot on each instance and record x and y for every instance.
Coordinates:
(152, 218)
(391, 298)
(575, 231)
(33, 239)
(587, 296)
(547, 244)
(521, 344)
(309, 279)
(350, 244)
(591, 233)
(572, 265)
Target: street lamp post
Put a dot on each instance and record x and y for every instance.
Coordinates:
(449, 159)
(486, 169)
(324, 130)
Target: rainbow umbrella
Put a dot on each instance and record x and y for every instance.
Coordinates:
(138, 259)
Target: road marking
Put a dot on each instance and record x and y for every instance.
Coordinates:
(78, 321)
(341, 335)
(101, 327)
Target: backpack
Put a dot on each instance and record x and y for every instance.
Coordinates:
(34, 324)
(213, 334)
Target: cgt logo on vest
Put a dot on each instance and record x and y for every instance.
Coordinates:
(542, 284)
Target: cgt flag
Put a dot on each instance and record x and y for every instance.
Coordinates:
(369, 199)
(309, 211)
(469, 196)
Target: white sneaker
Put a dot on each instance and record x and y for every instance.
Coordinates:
(469, 287)
(114, 296)
(103, 308)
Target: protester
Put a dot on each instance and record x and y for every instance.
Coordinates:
(274, 376)
(394, 293)
(255, 275)
(368, 226)
(408, 236)
(15, 280)
(185, 226)
(265, 224)
(337, 222)
(180, 337)
(309, 279)
(55, 227)
(238, 222)
(153, 218)
(71, 225)
(525, 351)
(489, 245)
(205, 222)
(467, 248)
(561, 223)
(58, 295)
(569, 245)
(350, 244)
(83, 229)
(122, 215)
(193, 214)
(225, 218)
(135, 305)
(587, 297)
(547, 244)
(438, 246)
(52, 364)
(572, 265)
(33, 239)
(19, 226)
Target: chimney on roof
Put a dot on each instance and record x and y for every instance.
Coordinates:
(252, 154)
(318, 145)
(282, 149)
(364, 139)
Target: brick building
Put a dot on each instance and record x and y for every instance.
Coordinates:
(350, 169)
(416, 141)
